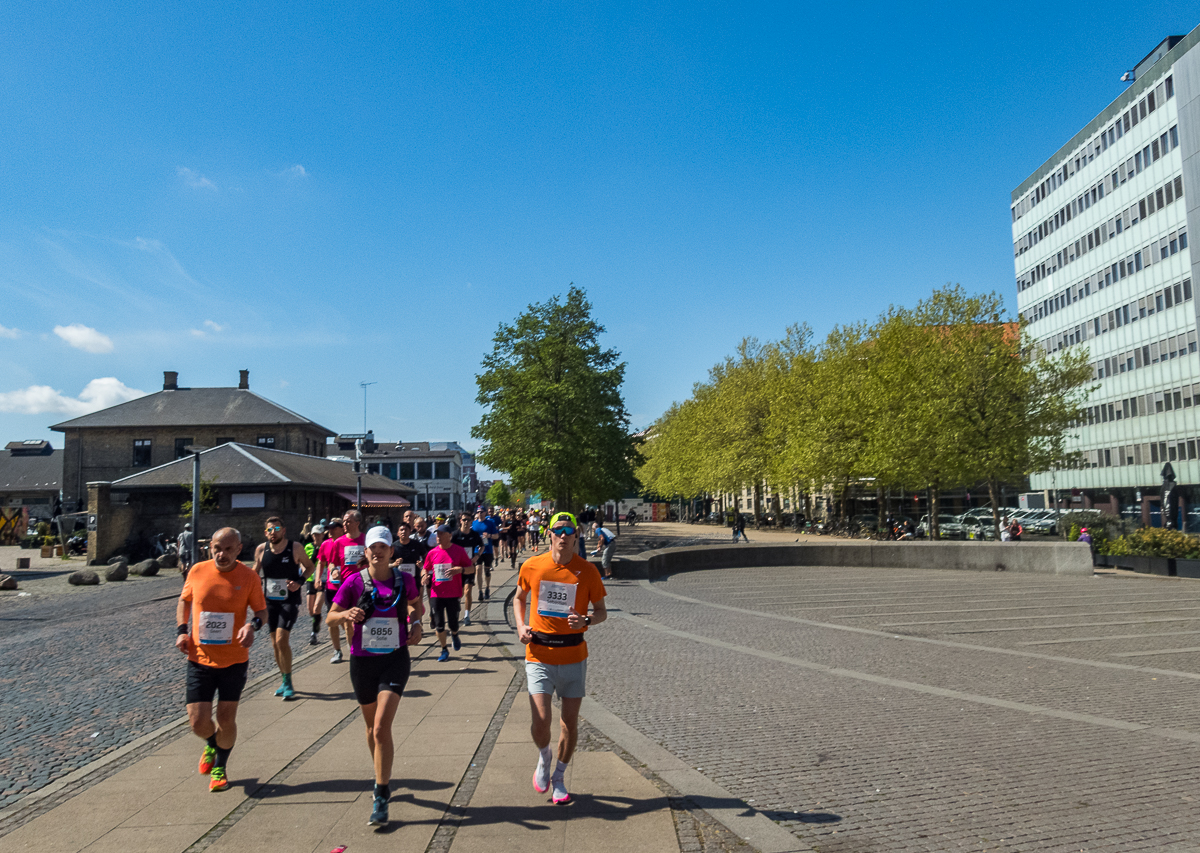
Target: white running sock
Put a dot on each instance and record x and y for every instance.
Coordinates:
(547, 756)
(560, 769)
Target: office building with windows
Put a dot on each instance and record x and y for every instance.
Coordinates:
(1101, 247)
(434, 469)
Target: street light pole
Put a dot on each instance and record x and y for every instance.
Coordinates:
(195, 450)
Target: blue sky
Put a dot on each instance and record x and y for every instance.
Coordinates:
(327, 194)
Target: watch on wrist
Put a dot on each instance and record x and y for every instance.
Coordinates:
(256, 623)
(587, 620)
(180, 630)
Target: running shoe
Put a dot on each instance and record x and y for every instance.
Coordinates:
(560, 795)
(337, 657)
(467, 618)
(207, 758)
(282, 688)
(312, 641)
(217, 780)
(444, 656)
(456, 641)
(541, 777)
(379, 814)
(289, 692)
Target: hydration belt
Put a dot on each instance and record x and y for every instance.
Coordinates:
(555, 641)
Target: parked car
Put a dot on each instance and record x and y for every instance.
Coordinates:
(975, 527)
(1045, 523)
(949, 527)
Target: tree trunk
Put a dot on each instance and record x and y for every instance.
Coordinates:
(993, 488)
(934, 527)
(757, 505)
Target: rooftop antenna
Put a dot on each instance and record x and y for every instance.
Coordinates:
(364, 385)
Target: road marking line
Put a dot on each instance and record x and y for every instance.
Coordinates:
(1109, 637)
(950, 644)
(1156, 652)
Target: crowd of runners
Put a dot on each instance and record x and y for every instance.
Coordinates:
(375, 587)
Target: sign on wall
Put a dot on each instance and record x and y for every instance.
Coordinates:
(248, 500)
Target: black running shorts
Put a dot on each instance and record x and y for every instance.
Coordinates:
(372, 674)
(225, 682)
(468, 579)
(280, 614)
(446, 610)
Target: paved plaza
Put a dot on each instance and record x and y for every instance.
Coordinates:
(807, 708)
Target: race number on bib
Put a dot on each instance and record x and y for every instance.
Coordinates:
(216, 629)
(351, 556)
(555, 599)
(380, 635)
(441, 572)
(411, 568)
(277, 589)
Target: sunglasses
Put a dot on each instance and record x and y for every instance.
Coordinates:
(274, 529)
(562, 531)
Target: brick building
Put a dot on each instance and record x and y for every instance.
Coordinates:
(30, 477)
(123, 440)
(251, 484)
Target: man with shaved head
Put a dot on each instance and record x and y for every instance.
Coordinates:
(215, 598)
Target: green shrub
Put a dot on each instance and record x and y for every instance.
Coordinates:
(1074, 534)
(1118, 548)
(1160, 542)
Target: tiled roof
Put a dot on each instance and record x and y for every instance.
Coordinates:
(243, 465)
(40, 473)
(188, 407)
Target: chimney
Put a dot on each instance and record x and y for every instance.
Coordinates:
(170, 380)
(244, 380)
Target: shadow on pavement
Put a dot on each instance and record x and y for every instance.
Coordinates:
(802, 817)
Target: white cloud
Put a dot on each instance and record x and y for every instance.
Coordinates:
(211, 326)
(296, 171)
(195, 180)
(10, 333)
(42, 399)
(84, 338)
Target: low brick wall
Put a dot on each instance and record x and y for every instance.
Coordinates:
(1059, 558)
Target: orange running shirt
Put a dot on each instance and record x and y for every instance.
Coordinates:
(225, 596)
(553, 588)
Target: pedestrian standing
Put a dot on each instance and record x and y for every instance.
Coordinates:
(183, 544)
(606, 542)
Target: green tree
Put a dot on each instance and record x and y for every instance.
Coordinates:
(555, 420)
(209, 502)
(498, 494)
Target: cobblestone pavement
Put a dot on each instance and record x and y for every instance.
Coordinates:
(923, 710)
(83, 674)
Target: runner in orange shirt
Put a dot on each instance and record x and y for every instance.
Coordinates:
(560, 585)
(215, 597)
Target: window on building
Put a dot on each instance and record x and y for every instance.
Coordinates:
(227, 440)
(389, 470)
(372, 467)
(424, 470)
(441, 470)
(141, 451)
(441, 501)
(267, 441)
(181, 447)
(422, 502)
(407, 470)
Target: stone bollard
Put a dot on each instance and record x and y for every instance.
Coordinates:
(8, 582)
(83, 577)
(118, 571)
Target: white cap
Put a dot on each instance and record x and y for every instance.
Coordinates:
(379, 534)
